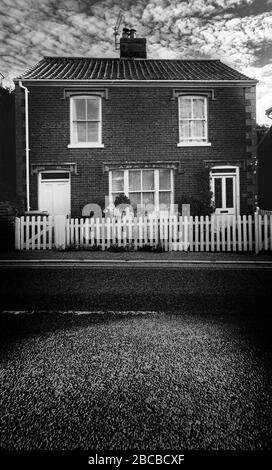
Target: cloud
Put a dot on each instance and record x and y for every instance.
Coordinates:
(225, 29)
(264, 90)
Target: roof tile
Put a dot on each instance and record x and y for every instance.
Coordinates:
(77, 68)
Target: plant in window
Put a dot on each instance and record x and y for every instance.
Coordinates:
(122, 205)
(121, 199)
(118, 207)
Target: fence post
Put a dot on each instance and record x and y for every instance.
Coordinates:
(60, 238)
(256, 228)
(17, 233)
(186, 233)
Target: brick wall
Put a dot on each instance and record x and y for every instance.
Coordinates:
(6, 225)
(7, 169)
(138, 124)
(7, 145)
(265, 171)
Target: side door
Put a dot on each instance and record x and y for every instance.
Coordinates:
(224, 186)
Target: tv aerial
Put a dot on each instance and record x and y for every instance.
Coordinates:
(117, 27)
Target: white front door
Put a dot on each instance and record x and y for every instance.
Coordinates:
(225, 189)
(55, 193)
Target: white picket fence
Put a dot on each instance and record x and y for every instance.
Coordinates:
(174, 233)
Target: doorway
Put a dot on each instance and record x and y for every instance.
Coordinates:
(55, 192)
(225, 189)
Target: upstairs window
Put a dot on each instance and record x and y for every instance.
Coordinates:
(85, 121)
(193, 120)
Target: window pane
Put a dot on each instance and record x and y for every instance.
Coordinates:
(185, 108)
(218, 192)
(165, 180)
(197, 129)
(135, 198)
(92, 131)
(93, 109)
(148, 198)
(148, 180)
(165, 198)
(135, 180)
(229, 192)
(79, 109)
(55, 176)
(225, 170)
(184, 130)
(118, 181)
(79, 132)
(199, 108)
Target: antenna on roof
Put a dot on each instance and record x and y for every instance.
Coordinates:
(116, 28)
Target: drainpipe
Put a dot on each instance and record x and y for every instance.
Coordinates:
(27, 143)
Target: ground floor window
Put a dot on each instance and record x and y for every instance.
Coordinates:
(225, 189)
(143, 187)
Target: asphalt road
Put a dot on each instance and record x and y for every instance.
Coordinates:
(123, 289)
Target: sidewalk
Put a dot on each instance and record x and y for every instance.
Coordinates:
(137, 255)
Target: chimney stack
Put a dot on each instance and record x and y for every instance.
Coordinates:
(132, 47)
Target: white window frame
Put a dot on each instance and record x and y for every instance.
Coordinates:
(97, 144)
(156, 189)
(197, 142)
(222, 171)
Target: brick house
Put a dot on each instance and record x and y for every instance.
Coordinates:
(7, 166)
(157, 131)
(265, 167)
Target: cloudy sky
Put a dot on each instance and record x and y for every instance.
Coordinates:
(238, 32)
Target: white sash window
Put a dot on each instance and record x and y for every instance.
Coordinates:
(85, 121)
(193, 127)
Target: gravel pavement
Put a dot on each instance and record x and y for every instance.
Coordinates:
(135, 381)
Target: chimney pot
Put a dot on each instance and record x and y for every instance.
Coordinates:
(126, 33)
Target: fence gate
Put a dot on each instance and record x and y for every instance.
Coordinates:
(34, 232)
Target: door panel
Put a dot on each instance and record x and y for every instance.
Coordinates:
(218, 192)
(229, 193)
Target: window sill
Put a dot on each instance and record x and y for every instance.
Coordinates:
(85, 146)
(194, 144)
